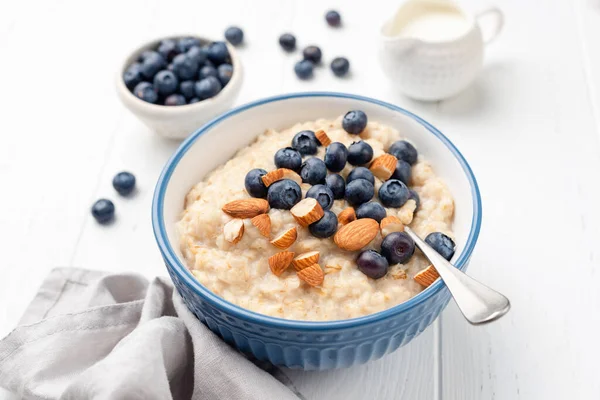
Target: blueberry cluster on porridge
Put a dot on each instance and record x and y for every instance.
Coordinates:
(307, 223)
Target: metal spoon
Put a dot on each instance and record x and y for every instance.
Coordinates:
(478, 303)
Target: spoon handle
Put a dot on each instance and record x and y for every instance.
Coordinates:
(478, 303)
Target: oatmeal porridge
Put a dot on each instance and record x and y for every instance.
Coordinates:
(258, 239)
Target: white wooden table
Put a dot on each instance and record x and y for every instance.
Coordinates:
(529, 127)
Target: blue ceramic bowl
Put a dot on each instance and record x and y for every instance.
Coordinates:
(303, 344)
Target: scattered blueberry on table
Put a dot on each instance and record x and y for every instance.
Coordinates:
(322, 194)
(103, 211)
(397, 247)
(442, 244)
(333, 18)
(234, 35)
(354, 122)
(360, 153)
(254, 184)
(372, 264)
(325, 227)
(304, 69)
(312, 54)
(371, 210)
(393, 193)
(124, 183)
(284, 194)
(287, 41)
(340, 66)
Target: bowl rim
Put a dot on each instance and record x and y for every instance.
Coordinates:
(128, 97)
(186, 276)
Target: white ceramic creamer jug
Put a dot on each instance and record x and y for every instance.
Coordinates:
(432, 50)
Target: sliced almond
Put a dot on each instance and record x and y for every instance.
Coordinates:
(427, 276)
(384, 166)
(346, 216)
(263, 223)
(280, 261)
(279, 174)
(322, 137)
(234, 230)
(305, 260)
(285, 239)
(390, 224)
(313, 275)
(246, 208)
(307, 211)
(357, 234)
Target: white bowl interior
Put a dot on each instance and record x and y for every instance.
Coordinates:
(224, 137)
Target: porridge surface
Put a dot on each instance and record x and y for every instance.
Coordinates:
(240, 272)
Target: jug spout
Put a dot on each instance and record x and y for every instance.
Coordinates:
(396, 45)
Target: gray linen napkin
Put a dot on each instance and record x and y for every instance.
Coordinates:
(90, 334)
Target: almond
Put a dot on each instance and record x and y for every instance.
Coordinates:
(357, 234)
(280, 261)
(313, 275)
(390, 224)
(307, 211)
(234, 230)
(246, 208)
(263, 223)
(286, 239)
(427, 276)
(346, 216)
(279, 174)
(305, 260)
(322, 137)
(384, 166)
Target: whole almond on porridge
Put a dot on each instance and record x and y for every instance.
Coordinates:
(305, 260)
(263, 223)
(390, 224)
(384, 166)
(285, 239)
(307, 211)
(246, 208)
(322, 137)
(427, 276)
(279, 174)
(313, 275)
(279, 262)
(346, 216)
(234, 230)
(357, 234)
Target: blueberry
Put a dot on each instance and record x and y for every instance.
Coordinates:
(208, 87)
(415, 196)
(304, 69)
(313, 171)
(312, 54)
(360, 173)
(335, 156)
(403, 150)
(322, 194)
(218, 53)
(371, 210)
(254, 184)
(372, 264)
(165, 82)
(284, 194)
(184, 44)
(168, 49)
(402, 172)
(224, 73)
(359, 191)
(153, 62)
(333, 18)
(442, 244)
(146, 92)
(198, 54)
(103, 210)
(287, 41)
(186, 88)
(340, 66)
(234, 35)
(305, 142)
(175, 100)
(325, 227)
(193, 100)
(354, 122)
(360, 153)
(185, 67)
(144, 55)
(337, 185)
(288, 158)
(397, 247)
(393, 193)
(133, 75)
(124, 183)
(206, 71)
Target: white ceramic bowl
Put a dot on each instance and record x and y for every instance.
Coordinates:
(178, 122)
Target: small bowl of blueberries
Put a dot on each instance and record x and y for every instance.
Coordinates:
(176, 84)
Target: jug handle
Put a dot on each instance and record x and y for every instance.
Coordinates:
(498, 16)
